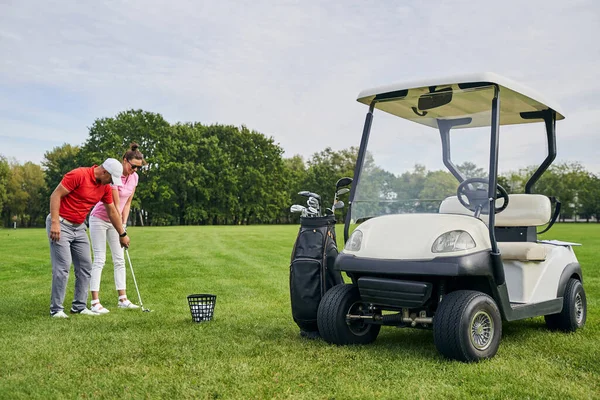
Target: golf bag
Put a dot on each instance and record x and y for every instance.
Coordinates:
(311, 269)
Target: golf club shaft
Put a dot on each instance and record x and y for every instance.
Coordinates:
(134, 281)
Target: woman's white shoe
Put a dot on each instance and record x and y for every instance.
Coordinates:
(127, 304)
(98, 309)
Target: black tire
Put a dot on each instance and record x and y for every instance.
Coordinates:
(574, 312)
(331, 317)
(467, 326)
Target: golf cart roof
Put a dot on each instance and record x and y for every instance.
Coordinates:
(402, 100)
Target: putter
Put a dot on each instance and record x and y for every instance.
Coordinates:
(135, 282)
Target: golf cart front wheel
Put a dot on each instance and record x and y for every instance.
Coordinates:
(467, 326)
(335, 327)
(574, 311)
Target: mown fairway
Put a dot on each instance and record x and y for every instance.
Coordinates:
(252, 349)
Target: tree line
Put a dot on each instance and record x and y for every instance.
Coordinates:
(222, 174)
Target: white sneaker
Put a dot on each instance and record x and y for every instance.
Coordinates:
(98, 309)
(127, 304)
(60, 314)
(85, 311)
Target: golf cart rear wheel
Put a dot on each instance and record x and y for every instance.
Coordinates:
(334, 327)
(467, 326)
(574, 312)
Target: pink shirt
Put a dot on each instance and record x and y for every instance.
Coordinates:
(125, 192)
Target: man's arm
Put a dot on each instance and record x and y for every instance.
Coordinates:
(55, 198)
(115, 219)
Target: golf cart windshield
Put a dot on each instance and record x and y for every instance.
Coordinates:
(412, 167)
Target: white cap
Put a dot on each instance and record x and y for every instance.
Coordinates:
(115, 168)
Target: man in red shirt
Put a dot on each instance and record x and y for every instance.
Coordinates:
(71, 201)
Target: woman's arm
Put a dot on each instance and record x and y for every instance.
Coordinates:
(125, 213)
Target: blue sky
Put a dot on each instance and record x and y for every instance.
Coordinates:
(289, 69)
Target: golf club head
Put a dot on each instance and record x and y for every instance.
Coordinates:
(312, 202)
(338, 204)
(306, 193)
(342, 191)
(343, 182)
(296, 208)
(312, 210)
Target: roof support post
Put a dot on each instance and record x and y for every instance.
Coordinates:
(549, 117)
(498, 267)
(358, 167)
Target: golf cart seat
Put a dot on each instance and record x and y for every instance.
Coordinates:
(523, 211)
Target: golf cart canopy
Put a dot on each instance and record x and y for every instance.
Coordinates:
(428, 101)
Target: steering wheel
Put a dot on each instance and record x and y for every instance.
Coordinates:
(477, 198)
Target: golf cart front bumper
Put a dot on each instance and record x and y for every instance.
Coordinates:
(474, 264)
(408, 283)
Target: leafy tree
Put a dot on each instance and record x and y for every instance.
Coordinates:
(34, 185)
(589, 197)
(563, 181)
(16, 202)
(111, 137)
(295, 171)
(4, 179)
(377, 192)
(326, 167)
(251, 179)
(57, 162)
(262, 181)
(470, 170)
(25, 194)
(438, 185)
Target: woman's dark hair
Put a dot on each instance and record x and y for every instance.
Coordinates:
(133, 152)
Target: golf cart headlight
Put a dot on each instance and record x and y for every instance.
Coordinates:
(354, 241)
(453, 241)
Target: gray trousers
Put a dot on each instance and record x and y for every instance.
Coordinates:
(73, 246)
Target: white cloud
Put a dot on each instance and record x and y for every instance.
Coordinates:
(288, 69)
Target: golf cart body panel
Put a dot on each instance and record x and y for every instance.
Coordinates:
(516, 99)
(537, 280)
(386, 237)
(449, 247)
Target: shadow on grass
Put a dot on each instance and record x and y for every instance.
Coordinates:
(520, 331)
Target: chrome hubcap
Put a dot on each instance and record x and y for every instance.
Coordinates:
(578, 308)
(359, 327)
(482, 330)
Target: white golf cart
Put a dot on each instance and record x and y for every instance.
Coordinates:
(425, 250)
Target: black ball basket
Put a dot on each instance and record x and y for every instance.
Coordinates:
(202, 306)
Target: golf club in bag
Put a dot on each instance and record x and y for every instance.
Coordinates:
(135, 282)
(311, 267)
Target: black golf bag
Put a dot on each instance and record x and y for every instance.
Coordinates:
(311, 269)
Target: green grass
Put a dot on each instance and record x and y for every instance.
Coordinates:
(252, 348)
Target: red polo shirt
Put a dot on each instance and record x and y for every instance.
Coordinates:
(84, 193)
